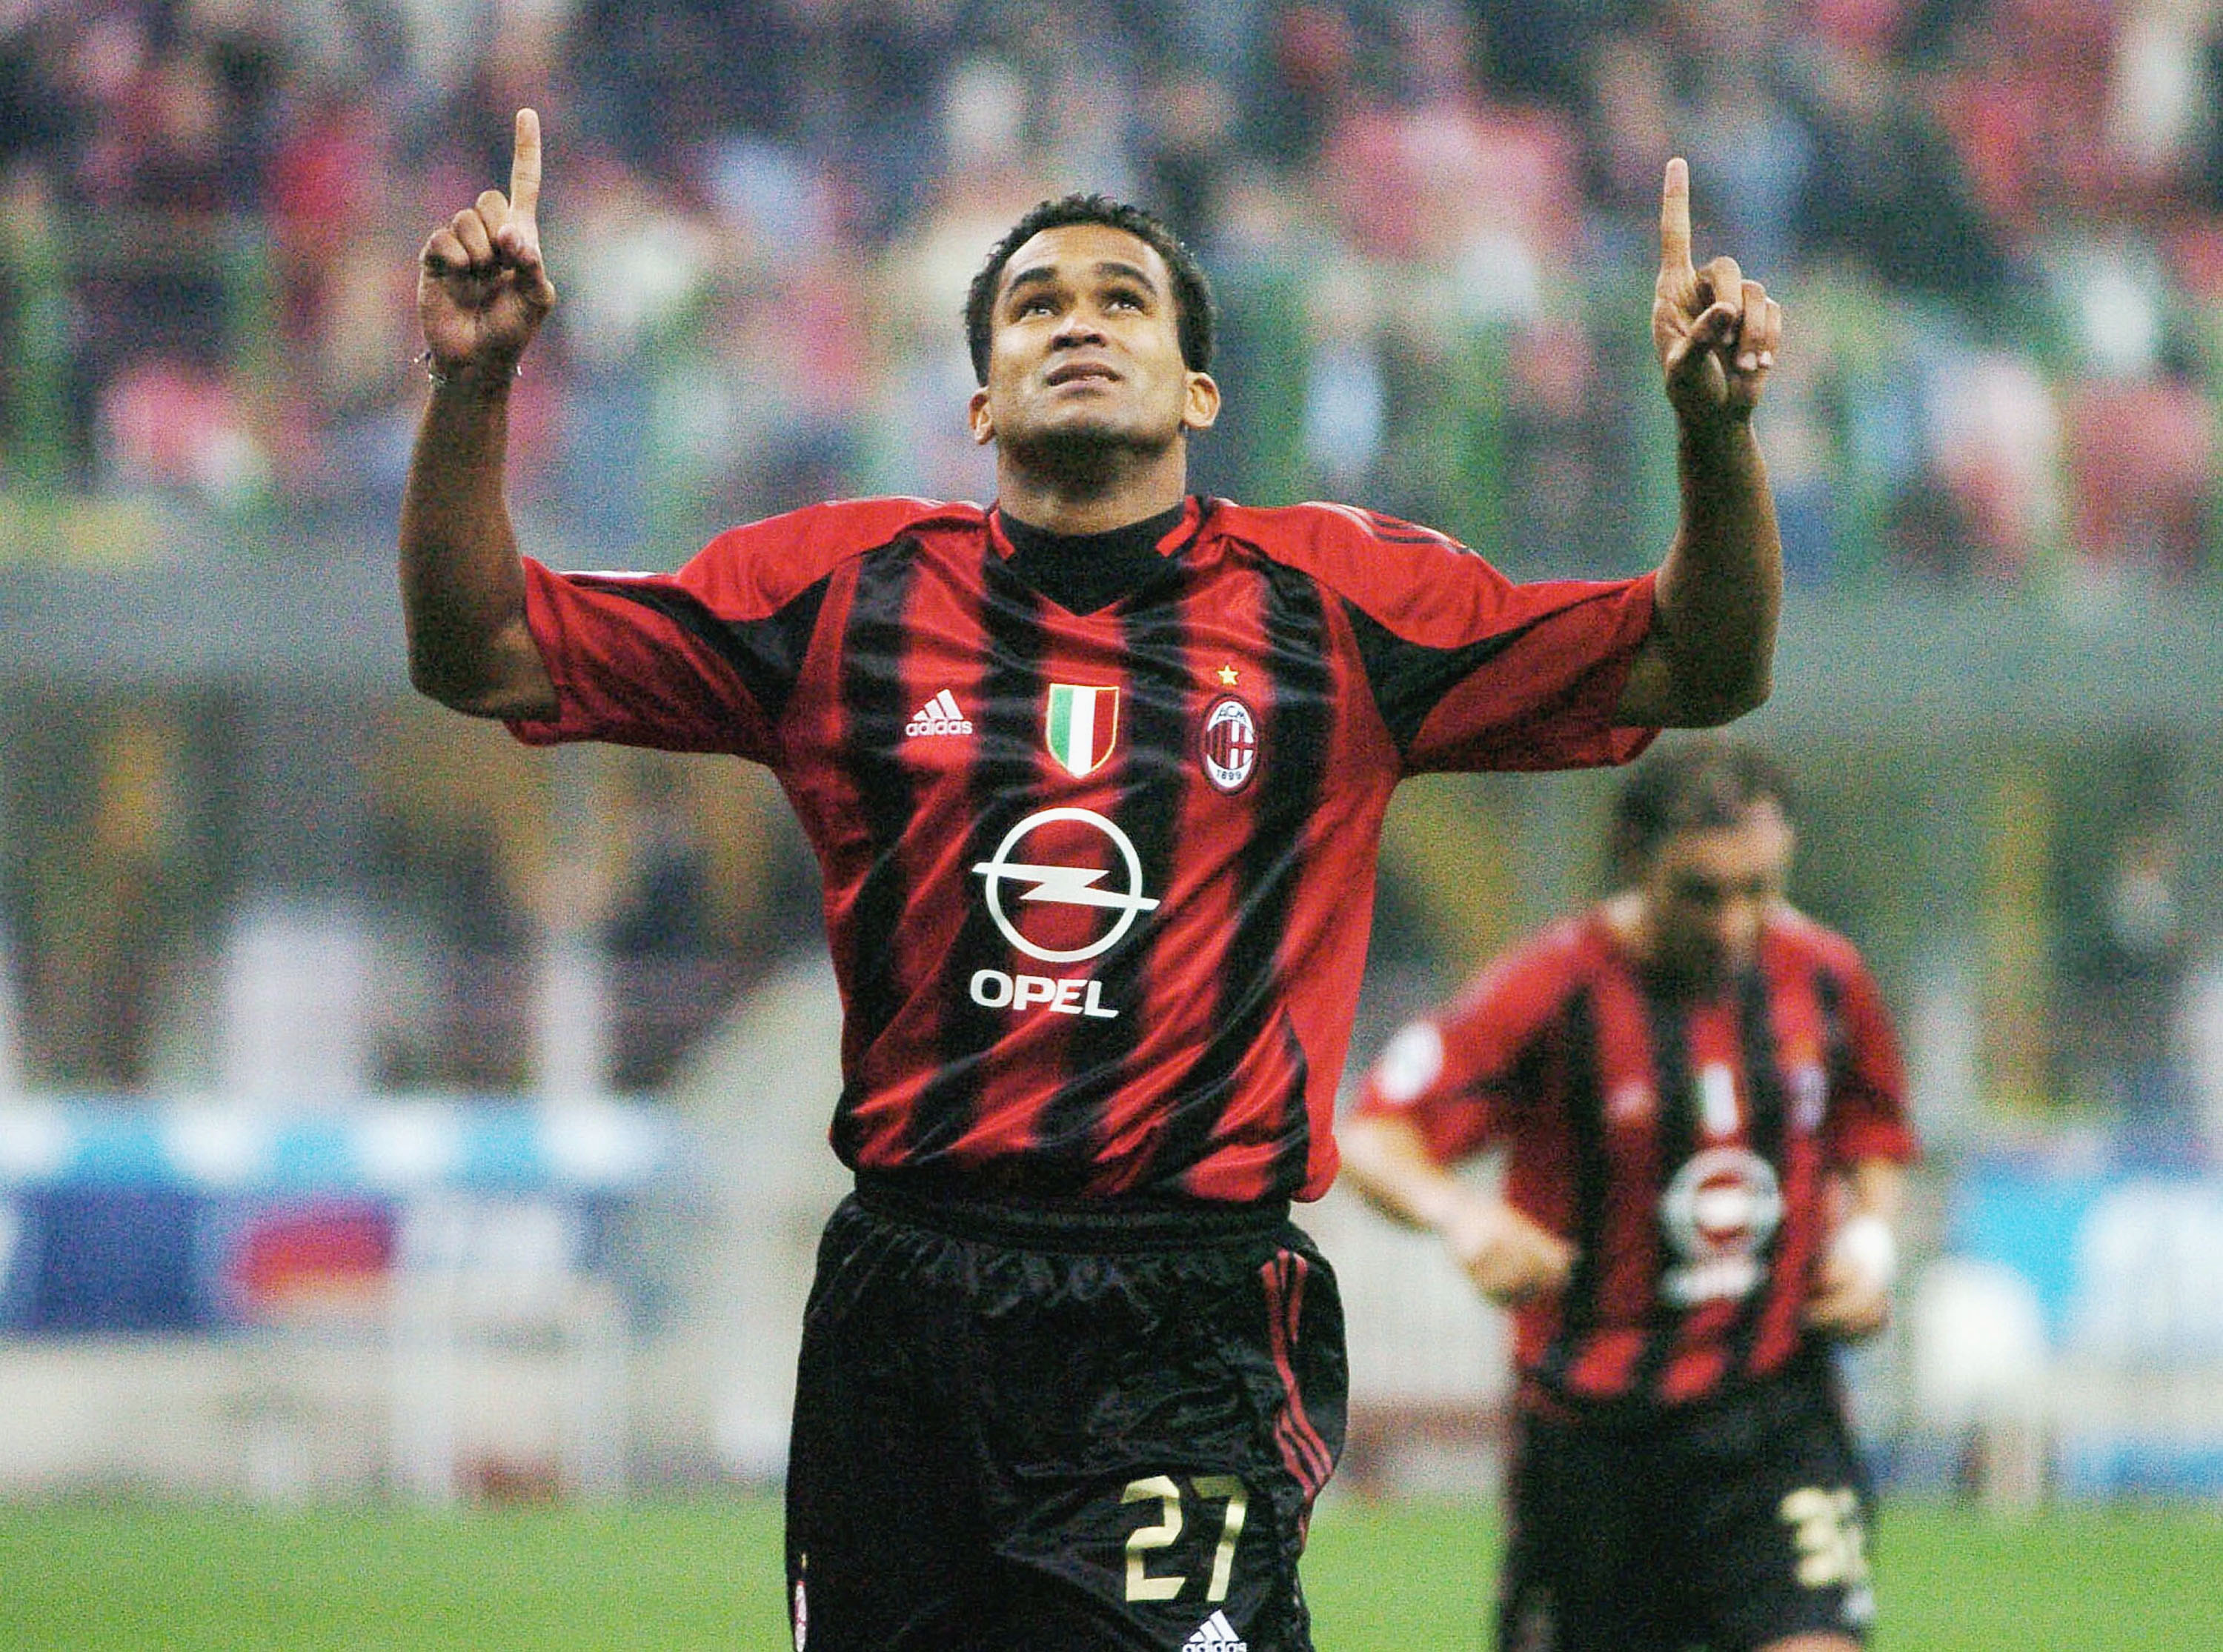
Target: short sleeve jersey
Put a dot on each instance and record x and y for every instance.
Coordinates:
(1684, 1146)
(1098, 885)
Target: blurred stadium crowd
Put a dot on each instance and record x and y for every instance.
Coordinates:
(1997, 226)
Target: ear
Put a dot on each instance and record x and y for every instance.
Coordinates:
(1200, 403)
(979, 419)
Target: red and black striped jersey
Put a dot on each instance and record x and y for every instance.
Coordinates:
(1684, 1145)
(1098, 885)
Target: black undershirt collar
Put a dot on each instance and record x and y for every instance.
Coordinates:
(1083, 572)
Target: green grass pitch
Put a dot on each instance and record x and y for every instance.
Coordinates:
(92, 1576)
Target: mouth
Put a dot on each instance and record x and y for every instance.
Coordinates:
(1083, 373)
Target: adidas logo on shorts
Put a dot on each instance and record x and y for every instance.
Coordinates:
(940, 715)
(1215, 1632)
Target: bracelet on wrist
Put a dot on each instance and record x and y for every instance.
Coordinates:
(440, 380)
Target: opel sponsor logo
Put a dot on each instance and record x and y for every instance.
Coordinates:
(1720, 1210)
(994, 989)
(1069, 886)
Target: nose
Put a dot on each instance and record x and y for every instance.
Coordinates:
(1079, 326)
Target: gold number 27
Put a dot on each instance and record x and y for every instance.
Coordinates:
(1224, 1489)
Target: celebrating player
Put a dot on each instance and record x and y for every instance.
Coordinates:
(1095, 776)
(1698, 1097)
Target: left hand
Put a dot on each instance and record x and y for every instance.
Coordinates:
(481, 289)
(1716, 332)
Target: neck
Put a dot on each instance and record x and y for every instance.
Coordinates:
(1633, 927)
(1091, 498)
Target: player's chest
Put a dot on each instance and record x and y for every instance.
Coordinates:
(980, 692)
(1668, 1083)
(1711, 1115)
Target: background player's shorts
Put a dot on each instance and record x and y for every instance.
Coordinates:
(1732, 1523)
(1067, 1432)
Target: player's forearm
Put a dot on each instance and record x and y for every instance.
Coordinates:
(1390, 1167)
(1875, 1187)
(1862, 1260)
(1719, 591)
(463, 589)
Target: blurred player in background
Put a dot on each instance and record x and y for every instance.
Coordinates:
(1095, 777)
(1698, 1097)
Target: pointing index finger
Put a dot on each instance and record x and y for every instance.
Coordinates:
(1674, 214)
(525, 168)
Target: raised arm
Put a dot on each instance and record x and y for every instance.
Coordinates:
(482, 295)
(1710, 656)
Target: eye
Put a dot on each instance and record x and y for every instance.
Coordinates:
(1124, 298)
(1037, 305)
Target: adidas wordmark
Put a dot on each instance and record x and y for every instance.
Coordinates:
(940, 715)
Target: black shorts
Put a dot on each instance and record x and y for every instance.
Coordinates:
(1730, 1525)
(1020, 1429)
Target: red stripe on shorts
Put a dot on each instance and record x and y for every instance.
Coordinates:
(1302, 1449)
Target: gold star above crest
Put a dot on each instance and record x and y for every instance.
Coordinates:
(1227, 676)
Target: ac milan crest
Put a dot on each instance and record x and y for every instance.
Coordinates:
(1229, 744)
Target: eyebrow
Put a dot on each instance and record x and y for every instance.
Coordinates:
(1107, 268)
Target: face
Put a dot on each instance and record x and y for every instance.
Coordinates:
(1085, 349)
(1707, 891)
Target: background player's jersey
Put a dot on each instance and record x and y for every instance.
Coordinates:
(1097, 886)
(1683, 1147)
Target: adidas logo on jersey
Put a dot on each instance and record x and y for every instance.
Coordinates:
(1215, 1632)
(940, 715)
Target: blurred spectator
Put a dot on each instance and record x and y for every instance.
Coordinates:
(1630, 123)
(2131, 975)
(173, 422)
(97, 978)
(1986, 504)
(344, 303)
(1451, 370)
(1888, 188)
(674, 966)
(1304, 78)
(638, 290)
(461, 1022)
(1739, 132)
(2141, 474)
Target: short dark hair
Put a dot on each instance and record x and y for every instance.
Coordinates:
(1698, 783)
(1193, 312)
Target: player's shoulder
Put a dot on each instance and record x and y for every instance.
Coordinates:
(1570, 950)
(1411, 581)
(1806, 937)
(777, 557)
(834, 529)
(1538, 968)
(1331, 539)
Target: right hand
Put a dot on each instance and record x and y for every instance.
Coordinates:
(1510, 1259)
(482, 291)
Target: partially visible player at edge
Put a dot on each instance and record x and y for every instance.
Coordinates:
(1697, 1095)
(1095, 776)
